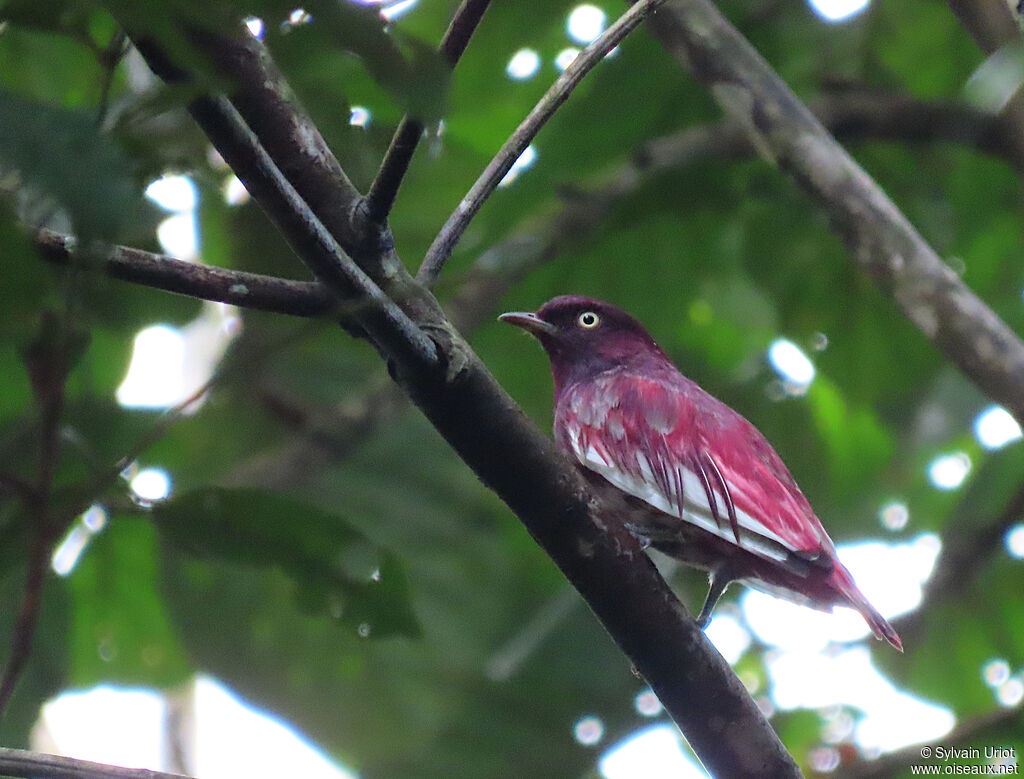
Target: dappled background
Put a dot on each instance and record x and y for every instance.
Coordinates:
(303, 537)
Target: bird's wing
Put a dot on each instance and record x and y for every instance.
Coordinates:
(670, 444)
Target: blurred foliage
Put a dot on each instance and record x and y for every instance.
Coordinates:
(452, 664)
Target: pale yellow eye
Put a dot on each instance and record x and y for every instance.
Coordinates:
(589, 320)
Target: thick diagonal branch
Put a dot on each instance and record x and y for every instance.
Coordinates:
(854, 115)
(486, 428)
(880, 238)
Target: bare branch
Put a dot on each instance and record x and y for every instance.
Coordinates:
(856, 114)
(486, 428)
(539, 239)
(268, 105)
(880, 238)
(48, 360)
(28, 616)
(849, 115)
(292, 140)
(239, 288)
(384, 190)
(387, 325)
(37, 765)
(440, 250)
(381, 197)
(991, 24)
(464, 23)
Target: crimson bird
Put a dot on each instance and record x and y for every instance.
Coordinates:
(682, 470)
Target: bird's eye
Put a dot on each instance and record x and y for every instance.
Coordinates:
(589, 320)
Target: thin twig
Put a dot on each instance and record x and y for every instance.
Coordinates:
(606, 564)
(852, 115)
(386, 323)
(37, 765)
(440, 250)
(24, 627)
(109, 57)
(464, 22)
(47, 362)
(239, 288)
(384, 189)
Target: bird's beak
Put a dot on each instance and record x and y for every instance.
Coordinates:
(530, 322)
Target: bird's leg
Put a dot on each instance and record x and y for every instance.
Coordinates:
(719, 579)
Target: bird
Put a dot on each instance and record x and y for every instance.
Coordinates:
(683, 471)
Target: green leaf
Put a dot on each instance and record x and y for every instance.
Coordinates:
(21, 293)
(859, 447)
(336, 570)
(120, 630)
(41, 142)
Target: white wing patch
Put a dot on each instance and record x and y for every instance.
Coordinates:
(689, 503)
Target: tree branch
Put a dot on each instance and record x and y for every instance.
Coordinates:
(381, 197)
(239, 288)
(37, 765)
(852, 115)
(440, 250)
(991, 24)
(879, 237)
(48, 360)
(267, 104)
(387, 325)
(25, 623)
(856, 114)
(484, 425)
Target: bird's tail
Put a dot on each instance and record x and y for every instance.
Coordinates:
(843, 582)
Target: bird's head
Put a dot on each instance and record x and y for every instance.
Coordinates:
(585, 337)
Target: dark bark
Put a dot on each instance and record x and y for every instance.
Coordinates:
(239, 288)
(487, 429)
